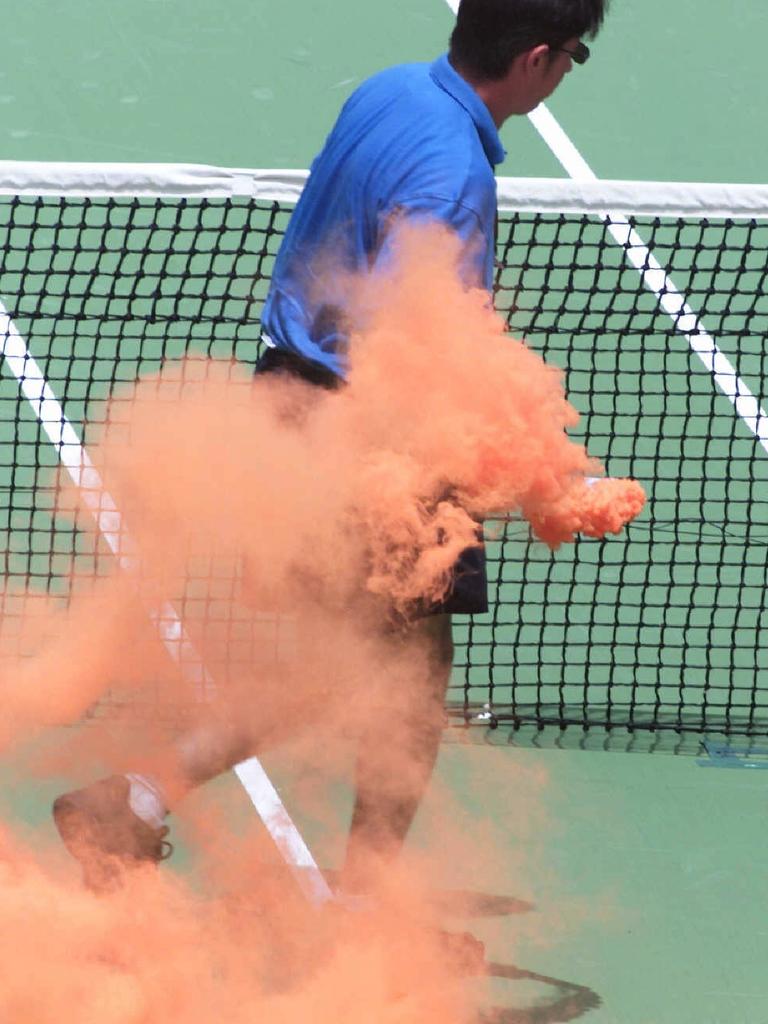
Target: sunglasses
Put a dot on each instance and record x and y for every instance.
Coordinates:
(579, 55)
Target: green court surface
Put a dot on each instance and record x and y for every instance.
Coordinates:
(613, 886)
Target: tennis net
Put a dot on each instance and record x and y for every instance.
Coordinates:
(656, 313)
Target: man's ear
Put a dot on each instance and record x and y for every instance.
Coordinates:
(536, 58)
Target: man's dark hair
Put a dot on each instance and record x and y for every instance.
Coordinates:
(489, 34)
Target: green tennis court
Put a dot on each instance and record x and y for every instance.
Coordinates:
(619, 876)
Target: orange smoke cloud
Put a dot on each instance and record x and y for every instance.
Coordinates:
(158, 952)
(445, 421)
(259, 500)
(457, 404)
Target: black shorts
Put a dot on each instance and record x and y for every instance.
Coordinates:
(468, 593)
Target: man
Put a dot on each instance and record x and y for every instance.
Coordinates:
(418, 142)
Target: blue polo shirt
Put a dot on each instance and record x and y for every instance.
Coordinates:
(415, 139)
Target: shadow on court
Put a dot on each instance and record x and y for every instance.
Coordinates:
(464, 903)
(570, 1001)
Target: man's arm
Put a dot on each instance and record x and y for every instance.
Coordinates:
(474, 230)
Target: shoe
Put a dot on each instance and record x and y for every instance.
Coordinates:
(101, 831)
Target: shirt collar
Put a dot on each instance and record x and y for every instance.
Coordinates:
(451, 82)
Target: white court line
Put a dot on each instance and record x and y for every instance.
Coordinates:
(176, 640)
(656, 279)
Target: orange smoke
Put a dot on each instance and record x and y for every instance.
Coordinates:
(377, 487)
(158, 953)
(255, 502)
(451, 402)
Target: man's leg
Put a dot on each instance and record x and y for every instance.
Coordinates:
(124, 814)
(396, 756)
(119, 822)
(397, 753)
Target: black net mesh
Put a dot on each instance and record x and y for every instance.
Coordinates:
(662, 627)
